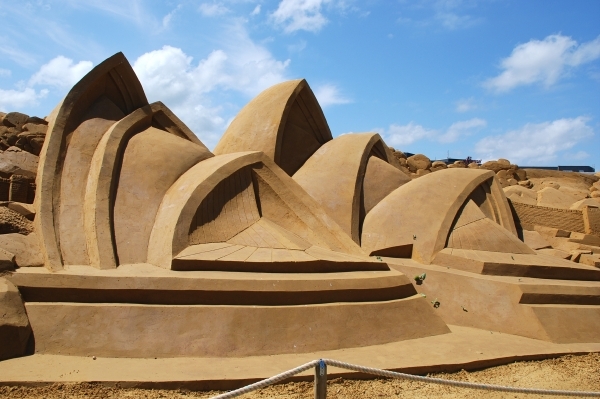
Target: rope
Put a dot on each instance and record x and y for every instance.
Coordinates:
(472, 385)
(268, 381)
(393, 374)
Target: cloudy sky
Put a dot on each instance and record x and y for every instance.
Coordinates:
(487, 79)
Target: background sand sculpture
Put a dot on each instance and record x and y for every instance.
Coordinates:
(276, 239)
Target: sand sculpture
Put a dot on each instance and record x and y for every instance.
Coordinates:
(146, 244)
(128, 199)
(456, 219)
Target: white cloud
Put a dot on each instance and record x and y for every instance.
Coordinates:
(461, 129)
(60, 72)
(297, 47)
(536, 142)
(454, 21)
(15, 54)
(5, 73)
(34, 22)
(329, 94)
(543, 61)
(401, 135)
(295, 15)
(168, 75)
(14, 100)
(465, 105)
(449, 14)
(166, 21)
(256, 10)
(132, 10)
(250, 67)
(242, 66)
(579, 155)
(213, 9)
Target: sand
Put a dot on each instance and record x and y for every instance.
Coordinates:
(572, 180)
(566, 373)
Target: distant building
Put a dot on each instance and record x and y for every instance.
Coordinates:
(584, 169)
(449, 161)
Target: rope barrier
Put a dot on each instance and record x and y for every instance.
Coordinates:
(268, 381)
(462, 384)
(393, 374)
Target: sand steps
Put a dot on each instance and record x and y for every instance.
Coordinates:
(293, 259)
(520, 265)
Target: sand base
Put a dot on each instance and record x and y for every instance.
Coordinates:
(465, 348)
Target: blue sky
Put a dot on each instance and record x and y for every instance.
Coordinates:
(486, 79)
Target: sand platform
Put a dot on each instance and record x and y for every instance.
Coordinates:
(465, 348)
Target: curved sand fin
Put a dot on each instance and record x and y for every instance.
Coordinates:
(285, 122)
(381, 178)
(155, 121)
(421, 229)
(241, 198)
(474, 230)
(107, 93)
(341, 194)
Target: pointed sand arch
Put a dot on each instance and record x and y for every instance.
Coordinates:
(285, 122)
(347, 175)
(156, 126)
(106, 94)
(418, 218)
(284, 215)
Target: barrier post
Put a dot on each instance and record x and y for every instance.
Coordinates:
(321, 380)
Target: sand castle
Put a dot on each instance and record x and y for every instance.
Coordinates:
(283, 240)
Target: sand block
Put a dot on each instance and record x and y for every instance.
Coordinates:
(577, 253)
(577, 194)
(551, 232)
(586, 239)
(535, 240)
(123, 330)
(14, 324)
(521, 194)
(25, 248)
(555, 252)
(554, 198)
(24, 209)
(418, 162)
(7, 260)
(519, 265)
(585, 202)
(590, 260)
(545, 309)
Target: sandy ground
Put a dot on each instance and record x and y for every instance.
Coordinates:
(566, 373)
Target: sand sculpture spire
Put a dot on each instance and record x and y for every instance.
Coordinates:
(285, 122)
(105, 95)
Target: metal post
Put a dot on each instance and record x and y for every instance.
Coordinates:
(321, 380)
